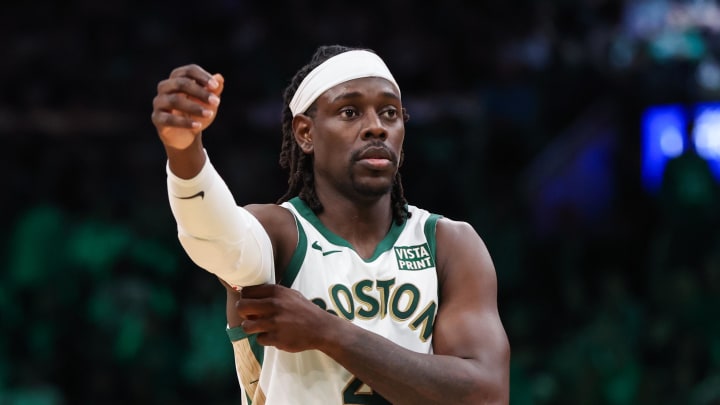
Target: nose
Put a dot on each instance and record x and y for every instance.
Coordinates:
(373, 127)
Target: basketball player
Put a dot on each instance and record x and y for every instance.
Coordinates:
(342, 293)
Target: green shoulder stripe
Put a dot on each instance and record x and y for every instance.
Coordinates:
(298, 256)
(430, 228)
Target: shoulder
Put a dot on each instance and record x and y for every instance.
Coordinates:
(276, 220)
(272, 214)
(461, 250)
(451, 233)
(280, 225)
(450, 228)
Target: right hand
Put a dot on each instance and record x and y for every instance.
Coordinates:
(186, 104)
(283, 317)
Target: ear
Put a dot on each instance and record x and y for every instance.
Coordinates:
(302, 129)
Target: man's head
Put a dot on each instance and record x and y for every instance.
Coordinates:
(344, 107)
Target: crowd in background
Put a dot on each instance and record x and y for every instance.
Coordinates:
(525, 122)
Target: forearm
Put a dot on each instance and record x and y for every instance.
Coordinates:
(186, 163)
(405, 377)
(218, 235)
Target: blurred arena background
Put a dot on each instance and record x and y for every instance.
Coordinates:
(580, 137)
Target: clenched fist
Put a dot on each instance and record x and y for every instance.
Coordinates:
(186, 103)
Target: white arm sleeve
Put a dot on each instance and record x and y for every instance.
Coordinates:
(216, 233)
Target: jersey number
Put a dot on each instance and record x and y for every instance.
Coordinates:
(358, 393)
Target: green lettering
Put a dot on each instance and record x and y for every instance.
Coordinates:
(348, 311)
(368, 306)
(426, 319)
(413, 296)
(319, 302)
(384, 287)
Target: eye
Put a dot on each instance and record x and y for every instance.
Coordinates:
(390, 113)
(348, 112)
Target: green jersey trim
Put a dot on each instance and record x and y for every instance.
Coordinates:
(384, 245)
(237, 333)
(297, 259)
(430, 230)
(430, 227)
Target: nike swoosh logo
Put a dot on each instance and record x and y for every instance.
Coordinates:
(200, 194)
(317, 246)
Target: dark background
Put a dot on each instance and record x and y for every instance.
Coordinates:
(525, 122)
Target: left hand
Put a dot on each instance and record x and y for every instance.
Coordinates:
(282, 317)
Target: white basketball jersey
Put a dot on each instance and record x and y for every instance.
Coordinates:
(394, 294)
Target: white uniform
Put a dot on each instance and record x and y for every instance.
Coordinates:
(394, 294)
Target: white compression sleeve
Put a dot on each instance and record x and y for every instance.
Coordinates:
(216, 233)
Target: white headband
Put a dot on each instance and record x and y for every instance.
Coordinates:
(338, 69)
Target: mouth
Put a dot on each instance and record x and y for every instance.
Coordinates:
(376, 157)
(376, 152)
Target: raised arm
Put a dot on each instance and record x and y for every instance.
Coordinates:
(185, 105)
(219, 236)
(470, 364)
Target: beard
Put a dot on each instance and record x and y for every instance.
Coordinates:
(371, 187)
(371, 190)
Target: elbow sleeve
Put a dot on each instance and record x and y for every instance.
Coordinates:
(219, 236)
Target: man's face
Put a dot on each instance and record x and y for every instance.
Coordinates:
(357, 137)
